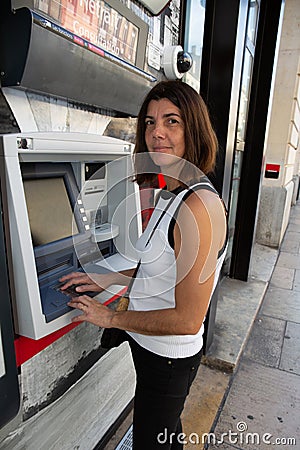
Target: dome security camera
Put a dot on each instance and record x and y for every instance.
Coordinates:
(176, 62)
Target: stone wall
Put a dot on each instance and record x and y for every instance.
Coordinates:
(282, 145)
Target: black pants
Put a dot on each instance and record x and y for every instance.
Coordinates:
(162, 385)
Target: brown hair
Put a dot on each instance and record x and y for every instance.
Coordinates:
(200, 139)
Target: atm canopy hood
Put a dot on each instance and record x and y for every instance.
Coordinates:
(39, 55)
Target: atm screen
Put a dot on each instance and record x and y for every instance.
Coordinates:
(49, 210)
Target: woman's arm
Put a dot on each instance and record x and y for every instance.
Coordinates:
(199, 233)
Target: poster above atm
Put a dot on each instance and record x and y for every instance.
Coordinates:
(108, 24)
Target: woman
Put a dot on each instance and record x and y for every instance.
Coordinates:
(179, 267)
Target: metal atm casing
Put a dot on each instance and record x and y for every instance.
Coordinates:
(77, 149)
(9, 386)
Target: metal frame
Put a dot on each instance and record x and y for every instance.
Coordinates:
(9, 386)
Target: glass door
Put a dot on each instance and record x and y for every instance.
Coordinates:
(253, 13)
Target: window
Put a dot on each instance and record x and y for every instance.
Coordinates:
(194, 25)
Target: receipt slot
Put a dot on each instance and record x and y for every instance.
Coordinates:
(9, 387)
(71, 206)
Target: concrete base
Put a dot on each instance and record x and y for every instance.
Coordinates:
(274, 212)
(82, 416)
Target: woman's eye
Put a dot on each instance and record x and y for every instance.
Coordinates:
(149, 122)
(173, 121)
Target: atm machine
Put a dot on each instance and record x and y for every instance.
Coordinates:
(71, 204)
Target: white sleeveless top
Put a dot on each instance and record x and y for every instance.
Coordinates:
(154, 285)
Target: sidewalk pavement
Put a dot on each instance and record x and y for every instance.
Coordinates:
(249, 382)
(262, 403)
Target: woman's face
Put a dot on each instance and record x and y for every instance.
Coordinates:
(164, 133)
